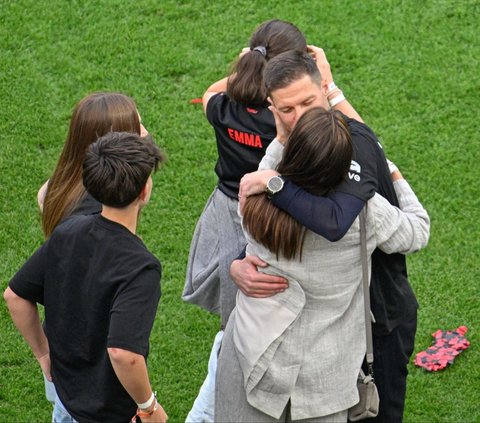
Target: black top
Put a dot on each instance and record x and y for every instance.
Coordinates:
(392, 298)
(100, 287)
(87, 205)
(243, 134)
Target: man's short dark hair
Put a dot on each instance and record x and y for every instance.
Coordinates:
(117, 167)
(289, 67)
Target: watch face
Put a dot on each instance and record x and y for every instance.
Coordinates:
(275, 184)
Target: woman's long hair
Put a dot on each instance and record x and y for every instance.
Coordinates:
(245, 84)
(316, 157)
(94, 116)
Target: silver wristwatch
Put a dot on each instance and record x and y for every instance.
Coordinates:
(274, 185)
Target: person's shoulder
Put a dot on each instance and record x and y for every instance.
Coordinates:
(364, 140)
(222, 104)
(74, 223)
(360, 129)
(139, 252)
(216, 101)
(127, 250)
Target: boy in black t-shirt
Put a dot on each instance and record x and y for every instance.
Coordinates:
(100, 287)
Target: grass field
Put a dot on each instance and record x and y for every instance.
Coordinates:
(410, 68)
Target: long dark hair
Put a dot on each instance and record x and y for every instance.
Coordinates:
(245, 84)
(316, 157)
(94, 116)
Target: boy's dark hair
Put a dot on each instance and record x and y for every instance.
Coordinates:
(289, 67)
(117, 167)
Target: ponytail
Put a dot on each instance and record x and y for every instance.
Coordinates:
(245, 84)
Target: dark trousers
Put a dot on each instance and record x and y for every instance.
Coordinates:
(391, 355)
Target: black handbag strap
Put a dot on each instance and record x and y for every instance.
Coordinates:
(366, 290)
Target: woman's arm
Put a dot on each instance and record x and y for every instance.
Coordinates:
(403, 230)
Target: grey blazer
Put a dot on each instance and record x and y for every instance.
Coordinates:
(307, 343)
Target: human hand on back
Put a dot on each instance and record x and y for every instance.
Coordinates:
(254, 283)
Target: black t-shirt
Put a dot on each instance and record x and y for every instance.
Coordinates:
(243, 133)
(100, 287)
(87, 205)
(363, 176)
(392, 298)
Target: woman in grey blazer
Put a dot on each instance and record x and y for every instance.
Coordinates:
(296, 355)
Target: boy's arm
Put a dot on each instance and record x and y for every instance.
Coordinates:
(27, 320)
(131, 320)
(131, 371)
(24, 291)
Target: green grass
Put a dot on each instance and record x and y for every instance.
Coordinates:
(409, 67)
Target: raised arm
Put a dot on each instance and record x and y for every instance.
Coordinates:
(219, 86)
(335, 95)
(215, 88)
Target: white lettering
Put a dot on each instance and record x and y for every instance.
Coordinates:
(354, 176)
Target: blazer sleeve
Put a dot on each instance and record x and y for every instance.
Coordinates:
(273, 155)
(401, 230)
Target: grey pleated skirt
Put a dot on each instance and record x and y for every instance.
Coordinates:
(218, 240)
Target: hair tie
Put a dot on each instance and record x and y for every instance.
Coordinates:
(262, 50)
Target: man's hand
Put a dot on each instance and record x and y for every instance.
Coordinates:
(282, 131)
(253, 283)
